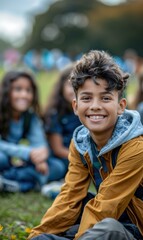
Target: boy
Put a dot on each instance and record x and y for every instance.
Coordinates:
(107, 148)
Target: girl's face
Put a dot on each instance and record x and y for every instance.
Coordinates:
(68, 91)
(21, 94)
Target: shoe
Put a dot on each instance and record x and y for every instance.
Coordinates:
(8, 185)
(52, 189)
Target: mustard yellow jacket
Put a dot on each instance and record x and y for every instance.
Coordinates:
(116, 193)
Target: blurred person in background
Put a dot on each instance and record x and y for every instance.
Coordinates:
(60, 122)
(137, 102)
(20, 119)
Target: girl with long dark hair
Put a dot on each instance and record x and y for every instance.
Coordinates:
(20, 119)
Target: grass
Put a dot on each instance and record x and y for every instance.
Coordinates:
(21, 212)
(45, 82)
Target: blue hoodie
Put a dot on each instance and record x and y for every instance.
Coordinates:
(128, 126)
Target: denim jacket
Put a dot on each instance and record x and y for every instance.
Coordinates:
(36, 138)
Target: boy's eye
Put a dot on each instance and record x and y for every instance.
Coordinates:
(106, 98)
(85, 98)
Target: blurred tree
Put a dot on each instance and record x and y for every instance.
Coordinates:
(4, 46)
(77, 26)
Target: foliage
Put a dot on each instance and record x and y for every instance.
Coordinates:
(4, 46)
(78, 26)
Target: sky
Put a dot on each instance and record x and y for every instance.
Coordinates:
(17, 17)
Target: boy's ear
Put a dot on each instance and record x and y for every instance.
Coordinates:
(122, 105)
(74, 106)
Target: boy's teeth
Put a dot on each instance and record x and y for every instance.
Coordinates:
(96, 117)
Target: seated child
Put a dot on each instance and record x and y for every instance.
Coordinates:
(60, 120)
(19, 119)
(107, 148)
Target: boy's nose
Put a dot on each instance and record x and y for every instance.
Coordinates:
(95, 105)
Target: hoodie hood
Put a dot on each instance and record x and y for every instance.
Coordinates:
(128, 126)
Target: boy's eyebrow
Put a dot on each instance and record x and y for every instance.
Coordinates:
(82, 93)
(105, 92)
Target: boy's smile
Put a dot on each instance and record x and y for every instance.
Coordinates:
(97, 108)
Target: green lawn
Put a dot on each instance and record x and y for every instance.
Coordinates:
(45, 83)
(20, 212)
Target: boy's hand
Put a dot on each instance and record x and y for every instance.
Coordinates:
(42, 168)
(39, 155)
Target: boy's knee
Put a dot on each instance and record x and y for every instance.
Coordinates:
(107, 229)
(109, 224)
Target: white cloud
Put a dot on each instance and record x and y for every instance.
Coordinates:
(17, 17)
(13, 27)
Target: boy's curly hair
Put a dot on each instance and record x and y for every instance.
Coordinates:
(99, 64)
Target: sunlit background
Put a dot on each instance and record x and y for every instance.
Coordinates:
(17, 17)
(45, 35)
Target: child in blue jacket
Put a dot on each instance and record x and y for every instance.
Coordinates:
(19, 119)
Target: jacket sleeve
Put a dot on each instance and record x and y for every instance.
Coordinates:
(118, 188)
(66, 207)
(35, 137)
(15, 150)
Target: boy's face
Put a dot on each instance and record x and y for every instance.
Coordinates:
(97, 108)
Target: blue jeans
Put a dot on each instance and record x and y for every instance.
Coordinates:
(27, 174)
(4, 162)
